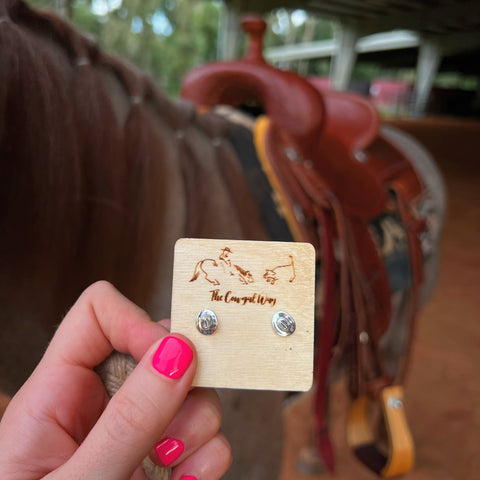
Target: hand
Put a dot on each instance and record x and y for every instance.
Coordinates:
(62, 425)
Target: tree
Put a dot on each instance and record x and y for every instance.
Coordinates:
(165, 38)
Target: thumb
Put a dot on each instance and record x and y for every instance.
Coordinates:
(137, 415)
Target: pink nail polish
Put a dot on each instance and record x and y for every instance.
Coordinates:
(169, 450)
(172, 357)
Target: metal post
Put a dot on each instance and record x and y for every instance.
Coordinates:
(229, 33)
(429, 58)
(343, 61)
(308, 36)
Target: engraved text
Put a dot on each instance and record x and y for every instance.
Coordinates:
(229, 297)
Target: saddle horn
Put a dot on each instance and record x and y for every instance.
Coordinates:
(295, 106)
(297, 113)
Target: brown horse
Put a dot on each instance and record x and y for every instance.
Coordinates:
(100, 173)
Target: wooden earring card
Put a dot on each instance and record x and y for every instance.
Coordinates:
(247, 285)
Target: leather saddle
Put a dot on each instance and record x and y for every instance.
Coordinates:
(333, 173)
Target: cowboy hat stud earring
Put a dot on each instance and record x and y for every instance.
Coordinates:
(207, 322)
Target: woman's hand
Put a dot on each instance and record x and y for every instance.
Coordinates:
(62, 425)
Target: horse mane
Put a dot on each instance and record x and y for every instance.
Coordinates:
(99, 174)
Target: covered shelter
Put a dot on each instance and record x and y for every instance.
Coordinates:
(436, 29)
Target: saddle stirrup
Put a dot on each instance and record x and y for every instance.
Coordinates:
(395, 455)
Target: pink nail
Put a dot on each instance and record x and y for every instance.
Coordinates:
(169, 450)
(172, 357)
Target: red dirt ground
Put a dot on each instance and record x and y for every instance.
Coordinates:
(443, 388)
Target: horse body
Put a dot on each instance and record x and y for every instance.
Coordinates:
(223, 265)
(96, 185)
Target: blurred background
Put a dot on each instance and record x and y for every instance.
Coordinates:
(409, 57)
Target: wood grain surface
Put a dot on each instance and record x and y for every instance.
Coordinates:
(245, 283)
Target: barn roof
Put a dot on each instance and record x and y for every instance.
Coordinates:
(425, 16)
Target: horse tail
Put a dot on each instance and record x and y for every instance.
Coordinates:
(196, 273)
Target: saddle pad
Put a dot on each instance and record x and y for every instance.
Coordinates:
(248, 307)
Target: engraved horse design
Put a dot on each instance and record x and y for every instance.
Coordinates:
(208, 272)
(272, 276)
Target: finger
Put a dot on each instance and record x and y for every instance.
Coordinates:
(138, 413)
(60, 394)
(197, 422)
(102, 320)
(208, 463)
(165, 323)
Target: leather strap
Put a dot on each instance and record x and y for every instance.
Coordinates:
(362, 281)
(326, 337)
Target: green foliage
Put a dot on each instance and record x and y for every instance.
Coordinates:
(281, 27)
(319, 67)
(165, 38)
(86, 21)
(42, 3)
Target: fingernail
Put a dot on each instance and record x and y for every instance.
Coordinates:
(172, 357)
(169, 450)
